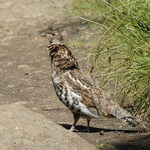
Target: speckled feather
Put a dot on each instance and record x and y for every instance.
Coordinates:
(76, 89)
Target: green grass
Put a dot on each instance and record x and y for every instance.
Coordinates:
(104, 146)
(121, 54)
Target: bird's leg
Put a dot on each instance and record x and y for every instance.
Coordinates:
(88, 125)
(76, 118)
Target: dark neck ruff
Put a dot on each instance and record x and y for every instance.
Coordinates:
(62, 57)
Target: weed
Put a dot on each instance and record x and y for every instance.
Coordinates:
(104, 146)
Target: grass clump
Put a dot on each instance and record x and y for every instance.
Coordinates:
(104, 146)
(121, 53)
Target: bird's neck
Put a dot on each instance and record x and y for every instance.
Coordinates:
(62, 57)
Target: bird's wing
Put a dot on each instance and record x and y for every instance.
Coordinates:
(83, 90)
(94, 97)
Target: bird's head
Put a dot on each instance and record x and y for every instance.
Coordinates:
(53, 34)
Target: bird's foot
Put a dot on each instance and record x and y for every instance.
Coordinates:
(72, 129)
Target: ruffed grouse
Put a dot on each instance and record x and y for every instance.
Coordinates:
(76, 89)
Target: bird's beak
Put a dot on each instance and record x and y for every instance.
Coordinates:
(43, 35)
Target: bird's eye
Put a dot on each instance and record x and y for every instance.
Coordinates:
(53, 33)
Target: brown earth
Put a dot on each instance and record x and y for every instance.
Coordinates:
(25, 70)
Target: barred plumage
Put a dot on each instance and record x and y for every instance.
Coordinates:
(76, 89)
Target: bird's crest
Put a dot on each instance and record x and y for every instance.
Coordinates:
(53, 34)
(51, 27)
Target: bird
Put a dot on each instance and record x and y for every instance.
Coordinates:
(76, 89)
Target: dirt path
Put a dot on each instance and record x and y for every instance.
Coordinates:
(25, 70)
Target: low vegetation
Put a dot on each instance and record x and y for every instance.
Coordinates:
(120, 55)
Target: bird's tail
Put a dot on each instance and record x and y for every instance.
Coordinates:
(112, 108)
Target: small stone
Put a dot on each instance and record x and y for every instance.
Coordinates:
(101, 132)
(24, 67)
(11, 86)
(26, 73)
